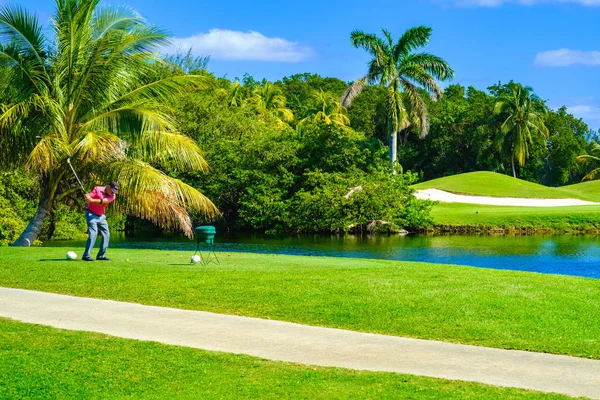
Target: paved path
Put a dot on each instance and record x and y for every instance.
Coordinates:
(447, 197)
(285, 341)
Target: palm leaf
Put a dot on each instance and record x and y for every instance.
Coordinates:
(412, 39)
(353, 91)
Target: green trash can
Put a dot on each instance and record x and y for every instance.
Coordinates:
(206, 234)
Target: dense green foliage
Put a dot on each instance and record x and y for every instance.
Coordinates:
(282, 156)
(504, 309)
(271, 177)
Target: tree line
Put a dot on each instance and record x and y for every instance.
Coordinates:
(302, 154)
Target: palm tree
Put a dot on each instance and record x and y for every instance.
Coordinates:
(327, 108)
(235, 95)
(403, 72)
(522, 114)
(594, 156)
(90, 92)
(269, 100)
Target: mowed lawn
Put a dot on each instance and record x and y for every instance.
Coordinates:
(485, 183)
(38, 362)
(558, 218)
(504, 309)
(572, 218)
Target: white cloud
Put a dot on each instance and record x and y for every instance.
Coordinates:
(222, 44)
(567, 57)
(585, 111)
(497, 3)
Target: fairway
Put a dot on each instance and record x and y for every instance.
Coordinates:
(571, 218)
(485, 183)
(503, 309)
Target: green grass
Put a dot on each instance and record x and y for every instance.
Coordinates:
(39, 362)
(503, 309)
(573, 218)
(469, 217)
(585, 190)
(485, 183)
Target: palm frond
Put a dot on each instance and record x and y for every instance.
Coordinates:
(148, 193)
(592, 176)
(412, 39)
(47, 153)
(434, 65)
(100, 147)
(418, 75)
(416, 107)
(369, 42)
(178, 151)
(19, 27)
(353, 91)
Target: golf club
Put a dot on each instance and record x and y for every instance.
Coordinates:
(75, 173)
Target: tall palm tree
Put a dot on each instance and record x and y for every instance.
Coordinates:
(403, 72)
(522, 113)
(327, 108)
(90, 92)
(268, 99)
(594, 156)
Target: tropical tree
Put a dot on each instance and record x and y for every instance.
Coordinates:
(327, 108)
(594, 156)
(268, 100)
(89, 91)
(522, 115)
(235, 95)
(403, 72)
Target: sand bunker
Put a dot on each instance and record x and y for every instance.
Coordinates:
(447, 197)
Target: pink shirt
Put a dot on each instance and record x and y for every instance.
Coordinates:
(98, 193)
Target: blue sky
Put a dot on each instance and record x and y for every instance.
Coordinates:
(552, 45)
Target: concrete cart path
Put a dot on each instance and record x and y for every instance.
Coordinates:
(284, 341)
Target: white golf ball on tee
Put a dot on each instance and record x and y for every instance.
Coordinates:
(195, 259)
(71, 255)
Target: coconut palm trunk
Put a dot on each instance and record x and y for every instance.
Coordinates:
(34, 228)
(393, 147)
(44, 210)
(512, 161)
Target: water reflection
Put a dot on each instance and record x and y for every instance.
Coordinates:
(561, 254)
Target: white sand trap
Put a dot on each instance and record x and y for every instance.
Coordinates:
(447, 197)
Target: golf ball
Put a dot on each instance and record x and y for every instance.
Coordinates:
(71, 255)
(195, 259)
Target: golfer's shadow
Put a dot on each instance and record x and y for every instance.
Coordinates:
(53, 259)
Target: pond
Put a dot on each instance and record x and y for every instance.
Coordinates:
(577, 255)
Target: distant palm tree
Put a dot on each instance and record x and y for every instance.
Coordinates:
(90, 91)
(403, 72)
(269, 100)
(594, 156)
(327, 108)
(235, 95)
(522, 113)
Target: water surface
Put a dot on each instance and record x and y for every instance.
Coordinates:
(577, 255)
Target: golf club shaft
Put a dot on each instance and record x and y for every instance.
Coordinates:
(75, 173)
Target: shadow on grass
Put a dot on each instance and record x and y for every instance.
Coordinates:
(56, 259)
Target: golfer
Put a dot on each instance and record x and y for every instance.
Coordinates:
(97, 201)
